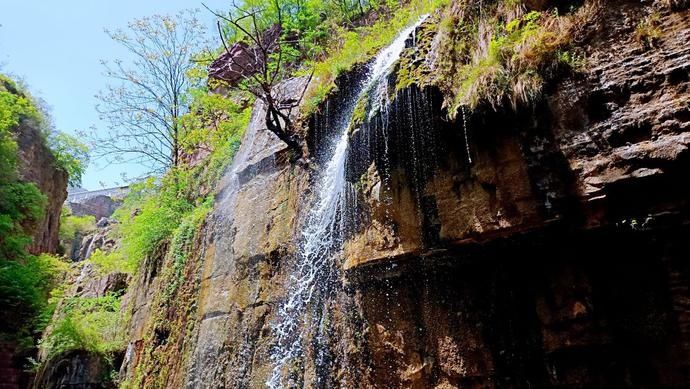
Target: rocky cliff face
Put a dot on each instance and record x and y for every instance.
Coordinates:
(538, 248)
(98, 206)
(37, 165)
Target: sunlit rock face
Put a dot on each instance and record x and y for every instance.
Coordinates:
(36, 164)
(539, 248)
(98, 206)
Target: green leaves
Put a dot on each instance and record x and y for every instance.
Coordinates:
(21, 208)
(87, 323)
(70, 225)
(350, 46)
(149, 94)
(25, 286)
(71, 155)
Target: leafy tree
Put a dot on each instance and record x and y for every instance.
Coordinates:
(71, 155)
(150, 95)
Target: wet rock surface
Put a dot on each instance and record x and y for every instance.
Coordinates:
(74, 369)
(552, 256)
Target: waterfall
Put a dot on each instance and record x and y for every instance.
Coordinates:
(321, 236)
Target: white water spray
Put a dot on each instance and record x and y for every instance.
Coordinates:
(321, 235)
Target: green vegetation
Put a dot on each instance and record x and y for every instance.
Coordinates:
(181, 245)
(163, 207)
(30, 285)
(71, 155)
(158, 219)
(158, 208)
(21, 204)
(148, 96)
(86, 323)
(25, 288)
(510, 61)
(111, 262)
(25, 280)
(648, 31)
(71, 225)
(323, 37)
(351, 46)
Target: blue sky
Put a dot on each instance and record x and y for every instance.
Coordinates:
(56, 47)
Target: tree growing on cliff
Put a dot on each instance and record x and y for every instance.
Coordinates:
(71, 155)
(149, 96)
(261, 58)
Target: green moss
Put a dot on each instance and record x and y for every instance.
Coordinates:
(412, 67)
(359, 114)
(181, 246)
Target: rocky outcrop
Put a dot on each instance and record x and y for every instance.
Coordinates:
(242, 60)
(594, 152)
(81, 368)
(97, 206)
(230, 282)
(101, 239)
(74, 369)
(540, 248)
(37, 165)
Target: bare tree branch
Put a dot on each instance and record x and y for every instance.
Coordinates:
(262, 67)
(142, 109)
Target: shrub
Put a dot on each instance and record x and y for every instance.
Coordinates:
(648, 31)
(21, 209)
(149, 215)
(86, 323)
(71, 155)
(504, 56)
(111, 262)
(25, 288)
(71, 225)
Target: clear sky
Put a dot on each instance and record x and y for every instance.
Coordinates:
(56, 47)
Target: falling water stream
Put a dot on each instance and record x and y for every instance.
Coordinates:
(321, 235)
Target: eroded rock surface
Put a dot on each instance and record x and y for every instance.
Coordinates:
(98, 206)
(74, 369)
(37, 165)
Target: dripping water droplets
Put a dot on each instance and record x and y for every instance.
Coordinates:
(465, 130)
(320, 240)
